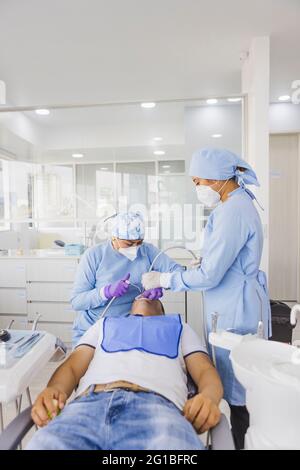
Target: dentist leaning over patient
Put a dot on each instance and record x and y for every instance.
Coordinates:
(229, 274)
(114, 269)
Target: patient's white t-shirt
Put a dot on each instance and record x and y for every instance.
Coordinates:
(160, 374)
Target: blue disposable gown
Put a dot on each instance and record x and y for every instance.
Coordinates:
(102, 265)
(229, 275)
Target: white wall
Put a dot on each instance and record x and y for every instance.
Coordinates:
(202, 122)
(284, 117)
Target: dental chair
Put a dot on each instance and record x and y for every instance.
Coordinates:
(218, 438)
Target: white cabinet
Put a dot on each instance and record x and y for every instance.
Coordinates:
(19, 321)
(49, 291)
(12, 273)
(13, 301)
(31, 286)
(52, 312)
(62, 330)
(174, 302)
(58, 270)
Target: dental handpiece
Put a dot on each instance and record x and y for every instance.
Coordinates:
(112, 300)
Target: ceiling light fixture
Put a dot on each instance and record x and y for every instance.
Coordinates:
(284, 98)
(148, 105)
(77, 155)
(159, 152)
(234, 100)
(211, 101)
(42, 112)
(217, 136)
(157, 139)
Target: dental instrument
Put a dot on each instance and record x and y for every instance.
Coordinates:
(112, 300)
(181, 247)
(150, 269)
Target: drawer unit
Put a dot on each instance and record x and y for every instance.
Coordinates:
(51, 312)
(51, 270)
(20, 322)
(12, 273)
(49, 291)
(13, 301)
(60, 330)
(174, 307)
(174, 302)
(170, 296)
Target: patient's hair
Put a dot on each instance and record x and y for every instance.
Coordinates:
(147, 307)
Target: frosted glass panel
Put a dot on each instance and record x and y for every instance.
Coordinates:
(136, 184)
(95, 191)
(21, 190)
(54, 195)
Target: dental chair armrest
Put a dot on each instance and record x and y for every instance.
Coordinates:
(221, 437)
(13, 434)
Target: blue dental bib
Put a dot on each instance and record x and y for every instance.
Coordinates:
(158, 335)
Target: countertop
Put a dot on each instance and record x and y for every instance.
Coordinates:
(59, 253)
(55, 253)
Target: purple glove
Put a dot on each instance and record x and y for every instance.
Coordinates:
(117, 289)
(153, 294)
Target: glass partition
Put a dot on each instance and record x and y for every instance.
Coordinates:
(66, 172)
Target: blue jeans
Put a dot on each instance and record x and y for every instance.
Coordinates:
(118, 420)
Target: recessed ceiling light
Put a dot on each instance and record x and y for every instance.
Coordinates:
(42, 112)
(217, 136)
(157, 139)
(211, 101)
(159, 152)
(284, 98)
(148, 105)
(104, 168)
(234, 100)
(77, 155)
(166, 166)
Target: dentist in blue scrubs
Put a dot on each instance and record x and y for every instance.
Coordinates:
(229, 273)
(114, 269)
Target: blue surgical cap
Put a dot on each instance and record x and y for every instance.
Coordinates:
(129, 226)
(221, 164)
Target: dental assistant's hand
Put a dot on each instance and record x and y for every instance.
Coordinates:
(117, 289)
(155, 279)
(48, 404)
(153, 294)
(201, 412)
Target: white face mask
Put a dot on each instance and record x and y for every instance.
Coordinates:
(208, 196)
(130, 252)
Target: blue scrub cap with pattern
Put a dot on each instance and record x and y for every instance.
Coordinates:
(129, 226)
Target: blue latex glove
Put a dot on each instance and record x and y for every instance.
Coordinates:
(117, 289)
(153, 294)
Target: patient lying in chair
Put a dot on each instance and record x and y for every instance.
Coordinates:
(132, 392)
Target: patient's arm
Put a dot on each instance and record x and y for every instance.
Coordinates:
(202, 410)
(61, 385)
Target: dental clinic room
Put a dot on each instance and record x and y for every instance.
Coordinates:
(149, 228)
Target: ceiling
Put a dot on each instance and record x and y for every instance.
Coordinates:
(87, 51)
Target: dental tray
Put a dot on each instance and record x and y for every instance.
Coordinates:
(17, 346)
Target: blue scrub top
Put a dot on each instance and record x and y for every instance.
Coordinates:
(102, 265)
(229, 275)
